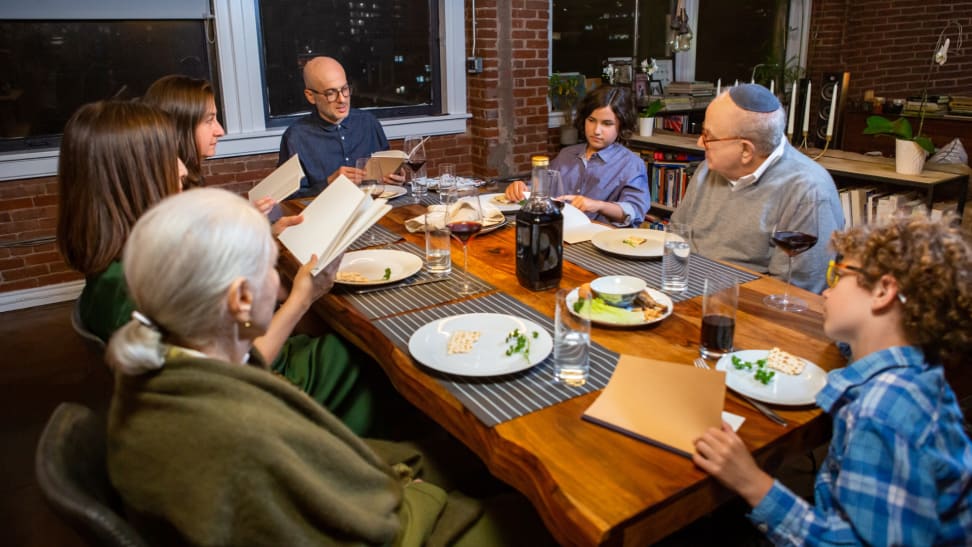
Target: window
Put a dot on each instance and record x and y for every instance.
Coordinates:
(239, 71)
(388, 48)
(757, 37)
(588, 32)
(51, 65)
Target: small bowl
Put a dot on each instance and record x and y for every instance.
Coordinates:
(618, 290)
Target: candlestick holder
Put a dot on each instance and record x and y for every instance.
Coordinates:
(824, 151)
(803, 144)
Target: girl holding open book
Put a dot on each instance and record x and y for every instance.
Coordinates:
(117, 160)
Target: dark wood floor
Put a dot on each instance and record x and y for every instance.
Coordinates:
(43, 364)
(46, 363)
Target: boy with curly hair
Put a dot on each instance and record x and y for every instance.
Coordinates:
(899, 467)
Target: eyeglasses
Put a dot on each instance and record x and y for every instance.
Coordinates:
(706, 139)
(332, 94)
(834, 272)
(834, 269)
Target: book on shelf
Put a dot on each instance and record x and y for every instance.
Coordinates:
(336, 217)
(669, 181)
(668, 405)
(869, 205)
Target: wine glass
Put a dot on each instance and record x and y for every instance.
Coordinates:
(371, 184)
(793, 234)
(414, 146)
(465, 220)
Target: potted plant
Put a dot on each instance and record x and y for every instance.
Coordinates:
(910, 149)
(646, 118)
(565, 91)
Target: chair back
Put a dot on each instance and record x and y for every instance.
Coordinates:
(91, 338)
(72, 473)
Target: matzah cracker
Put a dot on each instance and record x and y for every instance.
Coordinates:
(462, 341)
(787, 363)
(353, 277)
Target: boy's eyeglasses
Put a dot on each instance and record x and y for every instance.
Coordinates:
(835, 267)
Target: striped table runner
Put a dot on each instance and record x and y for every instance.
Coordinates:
(589, 257)
(497, 399)
(406, 298)
(376, 235)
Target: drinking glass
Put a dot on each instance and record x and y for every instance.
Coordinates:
(793, 234)
(465, 221)
(572, 340)
(675, 257)
(414, 146)
(719, 303)
(371, 184)
(438, 246)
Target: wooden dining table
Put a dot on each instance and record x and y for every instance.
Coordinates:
(589, 484)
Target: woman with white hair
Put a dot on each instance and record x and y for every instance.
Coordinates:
(205, 445)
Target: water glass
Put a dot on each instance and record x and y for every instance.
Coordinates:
(438, 247)
(719, 303)
(572, 340)
(420, 188)
(675, 259)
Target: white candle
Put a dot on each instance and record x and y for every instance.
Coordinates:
(793, 96)
(806, 112)
(718, 87)
(737, 83)
(772, 86)
(752, 80)
(833, 112)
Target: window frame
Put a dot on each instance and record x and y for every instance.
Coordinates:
(238, 61)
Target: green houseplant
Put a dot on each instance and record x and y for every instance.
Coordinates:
(910, 149)
(646, 121)
(565, 91)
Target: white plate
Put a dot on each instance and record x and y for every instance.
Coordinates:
(612, 241)
(639, 318)
(371, 265)
(429, 344)
(393, 191)
(502, 206)
(783, 389)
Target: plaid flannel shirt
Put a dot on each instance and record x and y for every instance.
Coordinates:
(899, 468)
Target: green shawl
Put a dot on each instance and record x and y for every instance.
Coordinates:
(232, 455)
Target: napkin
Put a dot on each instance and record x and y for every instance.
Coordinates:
(458, 211)
(577, 226)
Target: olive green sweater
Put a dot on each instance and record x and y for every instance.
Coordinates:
(232, 455)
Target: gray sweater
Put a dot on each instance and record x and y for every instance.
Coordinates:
(737, 226)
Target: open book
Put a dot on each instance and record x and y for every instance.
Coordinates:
(284, 180)
(384, 162)
(665, 404)
(577, 226)
(336, 217)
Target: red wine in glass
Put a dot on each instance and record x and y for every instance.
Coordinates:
(717, 332)
(794, 243)
(415, 164)
(465, 230)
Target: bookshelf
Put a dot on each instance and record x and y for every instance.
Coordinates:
(847, 169)
(671, 158)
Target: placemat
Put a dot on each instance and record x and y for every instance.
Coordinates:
(431, 198)
(589, 257)
(400, 297)
(497, 399)
(376, 235)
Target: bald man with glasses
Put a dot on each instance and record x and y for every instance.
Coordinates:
(334, 135)
(751, 179)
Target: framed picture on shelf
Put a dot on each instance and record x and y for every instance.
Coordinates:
(655, 88)
(641, 87)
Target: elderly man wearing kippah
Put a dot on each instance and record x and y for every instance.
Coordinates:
(751, 180)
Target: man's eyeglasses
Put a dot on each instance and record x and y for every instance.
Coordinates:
(706, 139)
(332, 94)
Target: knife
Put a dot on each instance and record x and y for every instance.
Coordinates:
(767, 411)
(395, 286)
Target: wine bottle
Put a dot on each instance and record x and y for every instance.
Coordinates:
(539, 233)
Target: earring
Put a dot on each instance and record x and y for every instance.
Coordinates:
(247, 324)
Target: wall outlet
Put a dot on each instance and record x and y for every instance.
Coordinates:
(474, 65)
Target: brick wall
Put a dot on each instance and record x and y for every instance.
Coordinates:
(887, 45)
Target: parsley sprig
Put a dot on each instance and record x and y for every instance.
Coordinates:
(762, 374)
(519, 343)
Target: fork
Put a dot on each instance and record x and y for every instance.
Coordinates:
(767, 411)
